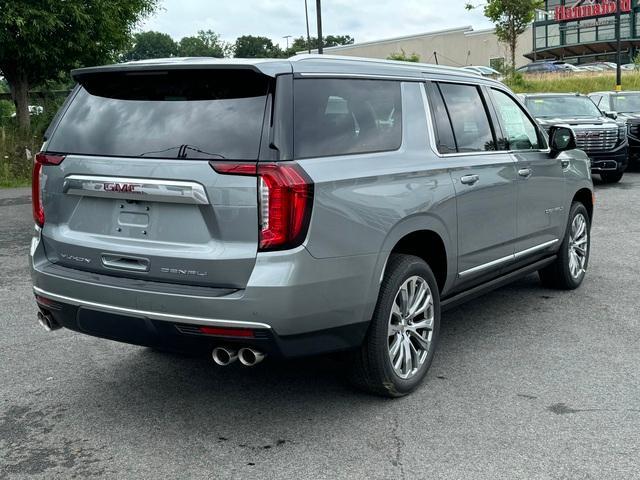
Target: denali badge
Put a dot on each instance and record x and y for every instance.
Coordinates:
(182, 271)
(75, 258)
(121, 187)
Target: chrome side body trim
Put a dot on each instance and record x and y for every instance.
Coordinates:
(517, 256)
(486, 266)
(167, 317)
(170, 191)
(537, 248)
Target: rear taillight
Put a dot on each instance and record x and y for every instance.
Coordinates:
(285, 199)
(40, 160)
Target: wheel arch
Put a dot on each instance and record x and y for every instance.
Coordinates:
(586, 197)
(410, 236)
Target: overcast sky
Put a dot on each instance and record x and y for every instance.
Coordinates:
(363, 19)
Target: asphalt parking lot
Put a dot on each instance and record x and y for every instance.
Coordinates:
(527, 383)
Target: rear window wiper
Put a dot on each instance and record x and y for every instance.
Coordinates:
(182, 151)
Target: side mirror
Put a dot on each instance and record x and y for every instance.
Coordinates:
(561, 139)
(612, 115)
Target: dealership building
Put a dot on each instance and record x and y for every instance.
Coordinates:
(576, 31)
(583, 31)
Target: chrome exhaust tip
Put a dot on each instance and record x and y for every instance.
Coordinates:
(250, 357)
(224, 356)
(47, 322)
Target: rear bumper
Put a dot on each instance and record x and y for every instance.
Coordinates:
(294, 303)
(612, 161)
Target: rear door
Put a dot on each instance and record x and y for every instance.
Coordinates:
(540, 185)
(136, 196)
(484, 179)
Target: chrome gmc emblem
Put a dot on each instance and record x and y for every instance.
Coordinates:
(590, 135)
(121, 187)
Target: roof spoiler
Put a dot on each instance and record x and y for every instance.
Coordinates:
(269, 68)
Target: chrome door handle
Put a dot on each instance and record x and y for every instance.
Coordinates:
(469, 179)
(524, 172)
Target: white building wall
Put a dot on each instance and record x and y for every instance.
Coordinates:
(455, 47)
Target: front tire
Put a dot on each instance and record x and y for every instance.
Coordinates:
(400, 344)
(611, 177)
(568, 270)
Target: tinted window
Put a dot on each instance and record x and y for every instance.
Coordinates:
(341, 116)
(440, 117)
(626, 103)
(562, 106)
(174, 114)
(520, 133)
(468, 115)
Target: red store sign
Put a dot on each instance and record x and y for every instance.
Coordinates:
(590, 8)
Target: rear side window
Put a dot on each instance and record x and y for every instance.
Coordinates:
(345, 116)
(188, 114)
(469, 119)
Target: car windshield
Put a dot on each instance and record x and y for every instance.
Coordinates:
(562, 106)
(627, 103)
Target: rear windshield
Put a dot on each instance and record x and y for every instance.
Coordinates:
(171, 114)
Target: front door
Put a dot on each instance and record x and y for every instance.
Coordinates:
(540, 185)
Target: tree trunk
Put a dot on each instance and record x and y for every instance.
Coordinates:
(20, 94)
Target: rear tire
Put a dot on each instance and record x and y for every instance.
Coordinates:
(400, 344)
(568, 270)
(611, 177)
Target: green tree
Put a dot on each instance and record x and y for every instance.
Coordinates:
(205, 44)
(511, 18)
(249, 46)
(151, 45)
(41, 38)
(403, 57)
(300, 44)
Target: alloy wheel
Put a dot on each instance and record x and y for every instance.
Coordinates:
(578, 245)
(411, 327)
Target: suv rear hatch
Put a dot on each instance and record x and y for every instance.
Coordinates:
(135, 194)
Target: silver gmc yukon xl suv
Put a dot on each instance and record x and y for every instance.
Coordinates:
(297, 207)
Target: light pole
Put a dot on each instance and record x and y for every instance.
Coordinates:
(618, 70)
(306, 15)
(287, 37)
(319, 17)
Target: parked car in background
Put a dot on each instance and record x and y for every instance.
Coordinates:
(540, 67)
(630, 66)
(257, 207)
(601, 65)
(567, 67)
(33, 110)
(484, 71)
(623, 106)
(602, 138)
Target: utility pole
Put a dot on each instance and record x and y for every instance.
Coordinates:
(287, 37)
(306, 15)
(618, 54)
(319, 17)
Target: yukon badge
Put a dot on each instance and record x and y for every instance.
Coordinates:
(121, 187)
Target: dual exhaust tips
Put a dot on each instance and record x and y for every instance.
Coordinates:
(248, 357)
